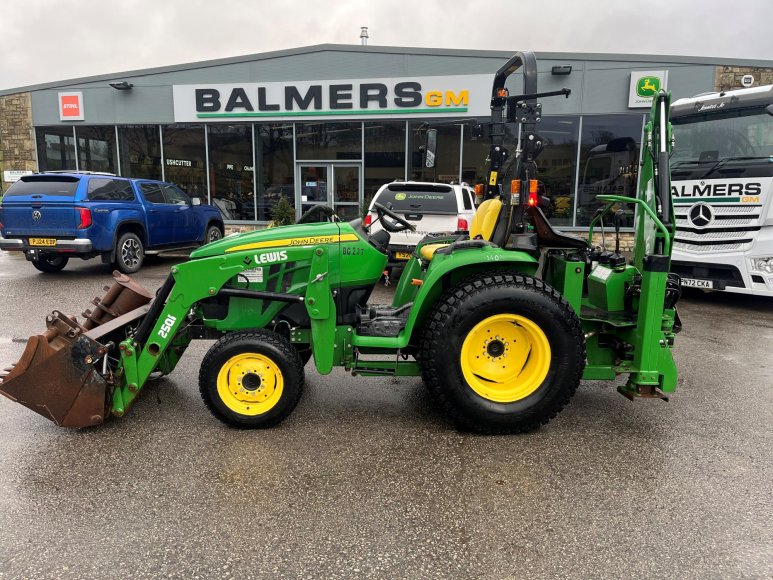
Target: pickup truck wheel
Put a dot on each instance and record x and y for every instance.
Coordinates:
(51, 264)
(129, 253)
(213, 233)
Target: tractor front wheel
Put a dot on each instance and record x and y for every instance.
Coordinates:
(502, 353)
(251, 379)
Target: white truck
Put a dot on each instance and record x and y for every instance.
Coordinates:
(721, 178)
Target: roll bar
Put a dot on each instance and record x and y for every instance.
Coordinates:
(509, 108)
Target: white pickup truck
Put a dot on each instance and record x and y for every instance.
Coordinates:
(431, 207)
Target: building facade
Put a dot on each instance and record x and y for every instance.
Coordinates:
(329, 124)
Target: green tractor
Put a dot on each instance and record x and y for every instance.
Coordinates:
(501, 324)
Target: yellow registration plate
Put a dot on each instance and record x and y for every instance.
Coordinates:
(403, 255)
(42, 242)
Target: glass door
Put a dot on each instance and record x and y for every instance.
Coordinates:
(313, 181)
(346, 191)
(337, 185)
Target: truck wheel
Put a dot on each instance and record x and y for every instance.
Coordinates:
(129, 253)
(502, 353)
(214, 233)
(51, 264)
(251, 379)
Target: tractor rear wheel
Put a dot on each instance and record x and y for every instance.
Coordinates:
(502, 353)
(251, 379)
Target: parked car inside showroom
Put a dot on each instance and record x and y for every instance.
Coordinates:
(54, 216)
(433, 208)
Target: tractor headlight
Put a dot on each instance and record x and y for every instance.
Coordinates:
(763, 265)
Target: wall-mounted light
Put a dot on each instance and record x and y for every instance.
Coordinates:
(562, 69)
(121, 86)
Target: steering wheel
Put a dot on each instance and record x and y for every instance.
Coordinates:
(389, 225)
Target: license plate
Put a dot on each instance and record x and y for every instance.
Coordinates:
(402, 255)
(42, 242)
(695, 283)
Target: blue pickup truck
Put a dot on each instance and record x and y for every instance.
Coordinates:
(52, 217)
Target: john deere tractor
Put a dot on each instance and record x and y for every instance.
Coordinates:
(502, 323)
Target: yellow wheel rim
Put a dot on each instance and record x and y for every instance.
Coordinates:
(505, 358)
(250, 384)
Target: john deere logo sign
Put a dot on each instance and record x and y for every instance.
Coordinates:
(644, 86)
(399, 196)
(648, 86)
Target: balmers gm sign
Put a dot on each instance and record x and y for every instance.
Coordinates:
(458, 96)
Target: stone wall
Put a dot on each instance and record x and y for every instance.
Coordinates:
(17, 141)
(729, 77)
(626, 238)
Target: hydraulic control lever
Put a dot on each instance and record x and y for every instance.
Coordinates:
(619, 214)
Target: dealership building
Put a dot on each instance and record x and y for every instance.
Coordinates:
(329, 124)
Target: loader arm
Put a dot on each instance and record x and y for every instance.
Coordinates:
(161, 339)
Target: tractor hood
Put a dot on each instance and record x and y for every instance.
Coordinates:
(295, 235)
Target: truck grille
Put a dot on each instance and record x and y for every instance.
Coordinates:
(731, 228)
(707, 248)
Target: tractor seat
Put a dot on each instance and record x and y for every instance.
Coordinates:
(482, 227)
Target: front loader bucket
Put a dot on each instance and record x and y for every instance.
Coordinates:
(58, 376)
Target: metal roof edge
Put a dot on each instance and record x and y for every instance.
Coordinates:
(459, 52)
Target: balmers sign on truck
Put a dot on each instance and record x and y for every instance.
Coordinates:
(457, 96)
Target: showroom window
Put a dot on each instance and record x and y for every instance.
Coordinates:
(446, 167)
(96, 148)
(329, 141)
(557, 166)
(475, 150)
(231, 175)
(56, 148)
(275, 167)
(185, 158)
(140, 148)
(609, 162)
(384, 155)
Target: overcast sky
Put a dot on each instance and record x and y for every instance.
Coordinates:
(50, 40)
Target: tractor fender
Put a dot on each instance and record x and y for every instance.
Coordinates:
(446, 270)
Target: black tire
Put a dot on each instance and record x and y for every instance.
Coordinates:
(463, 313)
(51, 264)
(254, 349)
(129, 253)
(214, 233)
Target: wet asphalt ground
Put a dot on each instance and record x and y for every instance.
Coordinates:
(367, 480)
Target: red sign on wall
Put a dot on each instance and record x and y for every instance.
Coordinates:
(71, 106)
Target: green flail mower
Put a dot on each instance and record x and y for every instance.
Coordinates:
(502, 324)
